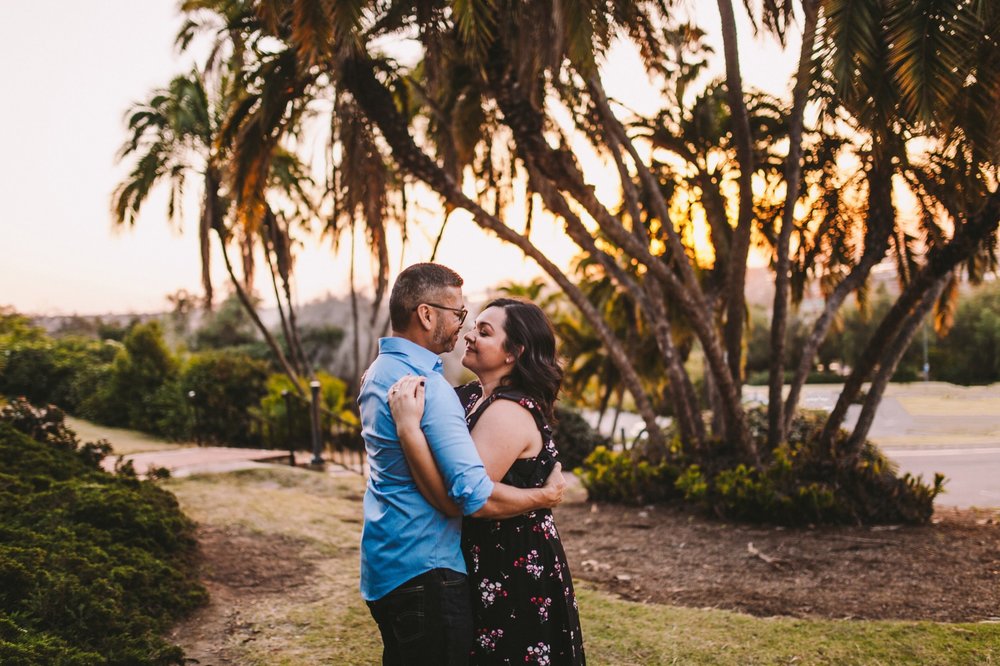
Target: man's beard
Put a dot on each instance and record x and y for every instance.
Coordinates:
(444, 339)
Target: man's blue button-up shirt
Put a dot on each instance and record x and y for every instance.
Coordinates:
(403, 535)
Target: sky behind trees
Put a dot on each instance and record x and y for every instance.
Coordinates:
(72, 70)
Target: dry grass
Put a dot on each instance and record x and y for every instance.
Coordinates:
(316, 616)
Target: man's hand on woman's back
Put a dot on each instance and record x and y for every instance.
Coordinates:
(555, 486)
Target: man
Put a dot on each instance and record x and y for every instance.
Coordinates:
(412, 569)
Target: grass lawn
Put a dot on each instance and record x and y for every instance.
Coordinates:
(124, 442)
(324, 621)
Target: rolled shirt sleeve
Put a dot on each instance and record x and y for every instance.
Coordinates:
(451, 445)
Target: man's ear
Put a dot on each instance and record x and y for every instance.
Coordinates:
(423, 313)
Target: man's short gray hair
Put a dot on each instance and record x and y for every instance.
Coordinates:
(418, 284)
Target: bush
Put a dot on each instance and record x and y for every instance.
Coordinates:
(226, 385)
(619, 476)
(797, 484)
(94, 567)
(574, 438)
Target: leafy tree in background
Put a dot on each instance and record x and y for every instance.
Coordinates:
(227, 386)
(970, 352)
(176, 134)
(140, 390)
(228, 326)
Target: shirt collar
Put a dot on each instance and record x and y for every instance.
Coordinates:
(421, 358)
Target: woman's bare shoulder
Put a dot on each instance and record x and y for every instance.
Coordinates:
(507, 418)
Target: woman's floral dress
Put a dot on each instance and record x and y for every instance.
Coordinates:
(523, 601)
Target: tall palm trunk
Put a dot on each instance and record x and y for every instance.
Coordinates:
(378, 105)
(734, 293)
(276, 243)
(793, 176)
(212, 183)
(887, 367)
(688, 293)
(651, 299)
(881, 221)
(355, 315)
(241, 293)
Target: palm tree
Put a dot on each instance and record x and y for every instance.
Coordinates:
(172, 138)
(944, 60)
(175, 136)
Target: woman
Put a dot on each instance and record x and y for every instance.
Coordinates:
(524, 605)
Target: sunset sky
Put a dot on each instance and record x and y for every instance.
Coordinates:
(70, 72)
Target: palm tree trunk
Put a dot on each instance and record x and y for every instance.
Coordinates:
(651, 300)
(614, 421)
(212, 183)
(250, 310)
(688, 294)
(274, 242)
(875, 248)
(734, 293)
(378, 105)
(651, 308)
(793, 175)
(941, 261)
(355, 316)
(888, 367)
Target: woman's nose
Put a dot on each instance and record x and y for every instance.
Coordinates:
(470, 336)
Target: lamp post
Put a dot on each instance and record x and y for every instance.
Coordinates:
(194, 409)
(317, 459)
(289, 439)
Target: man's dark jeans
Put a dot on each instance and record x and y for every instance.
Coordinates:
(426, 620)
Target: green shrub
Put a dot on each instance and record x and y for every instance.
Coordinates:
(226, 385)
(618, 476)
(94, 567)
(798, 483)
(574, 438)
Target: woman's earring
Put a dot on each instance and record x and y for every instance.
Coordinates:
(509, 360)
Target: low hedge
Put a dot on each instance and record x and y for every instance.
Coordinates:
(797, 483)
(94, 567)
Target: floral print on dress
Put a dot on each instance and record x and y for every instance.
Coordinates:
(475, 559)
(530, 564)
(490, 591)
(525, 611)
(547, 526)
(542, 603)
(488, 638)
(538, 654)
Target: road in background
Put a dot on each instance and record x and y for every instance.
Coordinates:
(972, 474)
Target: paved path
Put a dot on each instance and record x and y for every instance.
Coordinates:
(200, 459)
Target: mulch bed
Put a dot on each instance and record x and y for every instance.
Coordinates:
(947, 571)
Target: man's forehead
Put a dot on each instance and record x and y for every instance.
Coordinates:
(453, 294)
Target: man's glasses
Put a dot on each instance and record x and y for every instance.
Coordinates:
(461, 313)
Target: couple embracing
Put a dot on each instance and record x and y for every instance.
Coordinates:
(461, 562)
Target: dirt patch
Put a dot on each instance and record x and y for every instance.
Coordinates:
(241, 569)
(948, 571)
